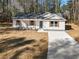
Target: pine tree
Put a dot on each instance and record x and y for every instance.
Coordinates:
(57, 6)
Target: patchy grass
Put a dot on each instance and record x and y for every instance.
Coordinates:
(23, 44)
(74, 32)
(5, 24)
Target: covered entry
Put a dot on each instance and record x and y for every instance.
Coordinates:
(41, 24)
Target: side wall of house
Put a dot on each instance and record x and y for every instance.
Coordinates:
(62, 25)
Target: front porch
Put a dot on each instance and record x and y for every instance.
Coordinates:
(27, 24)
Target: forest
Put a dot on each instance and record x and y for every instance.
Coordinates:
(11, 8)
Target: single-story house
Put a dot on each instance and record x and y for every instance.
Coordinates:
(46, 21)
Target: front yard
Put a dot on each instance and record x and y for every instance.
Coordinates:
(29, 44)
(23, 44)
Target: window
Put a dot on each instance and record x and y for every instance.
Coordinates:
(32, 23)
(54, 23)
(17, 22)
(51, 23)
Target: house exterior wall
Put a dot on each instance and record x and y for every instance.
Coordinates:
(62, 25)
(46, 26)
(36, 26)
(25, 24)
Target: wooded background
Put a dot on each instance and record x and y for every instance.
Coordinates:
(11, 8)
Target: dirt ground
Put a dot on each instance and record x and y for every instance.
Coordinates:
(74, 32)
(23, 44)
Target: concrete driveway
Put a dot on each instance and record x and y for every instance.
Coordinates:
(59, 35)
(59, 45)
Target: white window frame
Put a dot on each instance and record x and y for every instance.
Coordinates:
(54, 23)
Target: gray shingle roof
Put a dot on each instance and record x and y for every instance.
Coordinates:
(45, 16)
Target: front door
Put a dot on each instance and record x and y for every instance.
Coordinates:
(41, 24)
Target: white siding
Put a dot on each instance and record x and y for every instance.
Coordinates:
(62, 25)
(46, 25)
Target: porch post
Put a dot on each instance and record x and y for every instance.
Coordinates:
(14, 23)
(36, 24)
(27, 24)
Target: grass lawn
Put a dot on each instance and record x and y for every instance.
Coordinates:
(5, 24)
(24, 44)
(27, 44)
(74, 32)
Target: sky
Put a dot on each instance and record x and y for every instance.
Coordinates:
(64, 2)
